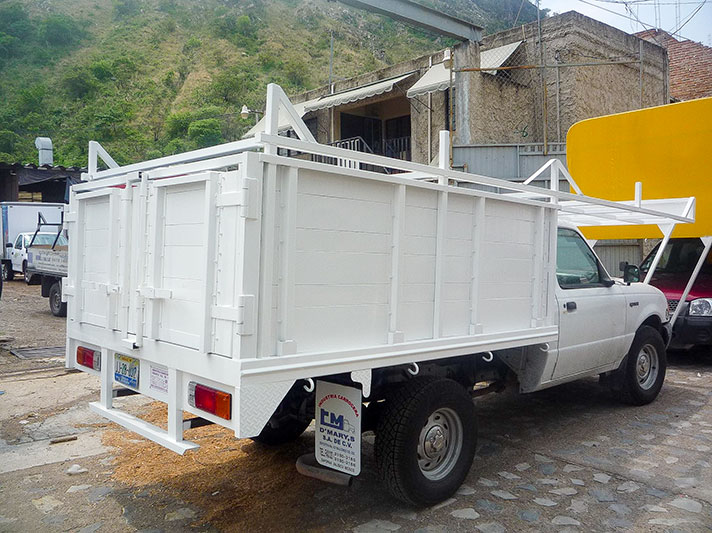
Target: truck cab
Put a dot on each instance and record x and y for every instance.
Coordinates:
(17, 252)
(693, 326)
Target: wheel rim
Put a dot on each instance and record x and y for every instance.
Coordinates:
(647, 366)
(440, 444)
(56, 301)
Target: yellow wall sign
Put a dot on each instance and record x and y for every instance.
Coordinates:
(667, 148)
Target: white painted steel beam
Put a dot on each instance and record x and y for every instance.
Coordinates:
(422, 17)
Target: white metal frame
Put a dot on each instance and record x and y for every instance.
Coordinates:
(258, 384)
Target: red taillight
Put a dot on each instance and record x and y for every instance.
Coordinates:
(211, 400)
(89, 358)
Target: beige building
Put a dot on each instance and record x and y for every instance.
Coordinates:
(501, 96)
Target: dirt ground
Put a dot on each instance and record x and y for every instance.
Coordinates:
(38, 327)
(566, 459)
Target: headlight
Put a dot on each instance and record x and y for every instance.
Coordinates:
(700, 307)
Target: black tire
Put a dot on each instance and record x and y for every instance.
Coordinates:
(56, 305)
(7, 272)
(29, 278)
(416, 410)
(642, 373)
(289, 420)
(285, 431)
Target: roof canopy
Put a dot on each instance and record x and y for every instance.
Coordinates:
(437, 78)
(497, 57)
(357, 93)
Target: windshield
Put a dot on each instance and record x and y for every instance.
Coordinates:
(679, 256)
(48, 239)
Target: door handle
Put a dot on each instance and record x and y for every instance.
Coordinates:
(570, 306)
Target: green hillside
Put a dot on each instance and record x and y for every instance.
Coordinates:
(155, 77)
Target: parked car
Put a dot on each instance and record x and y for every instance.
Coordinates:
(17, 252)
(693, 326)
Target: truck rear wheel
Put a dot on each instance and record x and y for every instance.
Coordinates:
(29, 278)
(425, 440)
(642, 374)
(7, 273)
(56, 305)
(282, 432)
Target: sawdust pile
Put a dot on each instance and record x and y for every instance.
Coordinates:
(238, 485)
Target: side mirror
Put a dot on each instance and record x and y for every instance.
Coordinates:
(8, 245)
(622, 265)
(631, 274)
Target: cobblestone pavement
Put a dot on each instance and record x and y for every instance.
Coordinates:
(567, 459)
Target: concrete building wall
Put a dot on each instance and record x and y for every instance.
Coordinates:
(514, 100)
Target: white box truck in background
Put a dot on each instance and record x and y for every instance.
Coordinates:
(260, 292)
(18, 222)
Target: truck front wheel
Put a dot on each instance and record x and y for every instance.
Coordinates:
(7, 273)
(425, 440)
(641, 376)
(56, 305)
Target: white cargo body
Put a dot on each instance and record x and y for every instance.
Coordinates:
(247, 272)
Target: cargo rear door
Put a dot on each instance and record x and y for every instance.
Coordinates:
(95, 258)
(179, 261)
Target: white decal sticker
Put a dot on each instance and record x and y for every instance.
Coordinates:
(159, 378)
(338, 427)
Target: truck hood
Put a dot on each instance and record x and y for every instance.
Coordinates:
(673, 284)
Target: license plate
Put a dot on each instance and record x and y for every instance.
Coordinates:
(126, 370)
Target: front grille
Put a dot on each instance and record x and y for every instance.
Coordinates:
(672, 304)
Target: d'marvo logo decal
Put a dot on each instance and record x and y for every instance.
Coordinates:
(338, 427)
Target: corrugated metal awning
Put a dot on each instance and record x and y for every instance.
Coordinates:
(497, 57)
(358, 93)
(284, 123)
(436, 79)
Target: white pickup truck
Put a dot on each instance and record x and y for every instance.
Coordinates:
(18, 221)
(261, 292)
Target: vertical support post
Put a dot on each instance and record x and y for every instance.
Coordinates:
(107, 379)
(538, 268)
(175, 405)
(139, 251)
(125, 276)
(667, 230)
(444, 149)
(247, 275)
(477, 255)
(440, 240)
(638, 194)
(640, 72)
(264, 347)
(707, 241)
(156, 208)
(399, 194)
(209, 244)
(272, 116)
(288, 241)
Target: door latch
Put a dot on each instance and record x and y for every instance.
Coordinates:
(570, 306)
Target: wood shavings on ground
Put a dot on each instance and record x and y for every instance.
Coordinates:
(238, 485)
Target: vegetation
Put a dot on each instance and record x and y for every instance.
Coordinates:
(155, 77)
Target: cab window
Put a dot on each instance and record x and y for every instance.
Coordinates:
(576, 265)
(18, 242)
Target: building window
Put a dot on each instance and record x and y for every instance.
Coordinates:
(447, 110)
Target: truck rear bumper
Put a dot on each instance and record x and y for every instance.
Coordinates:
(143, 428)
